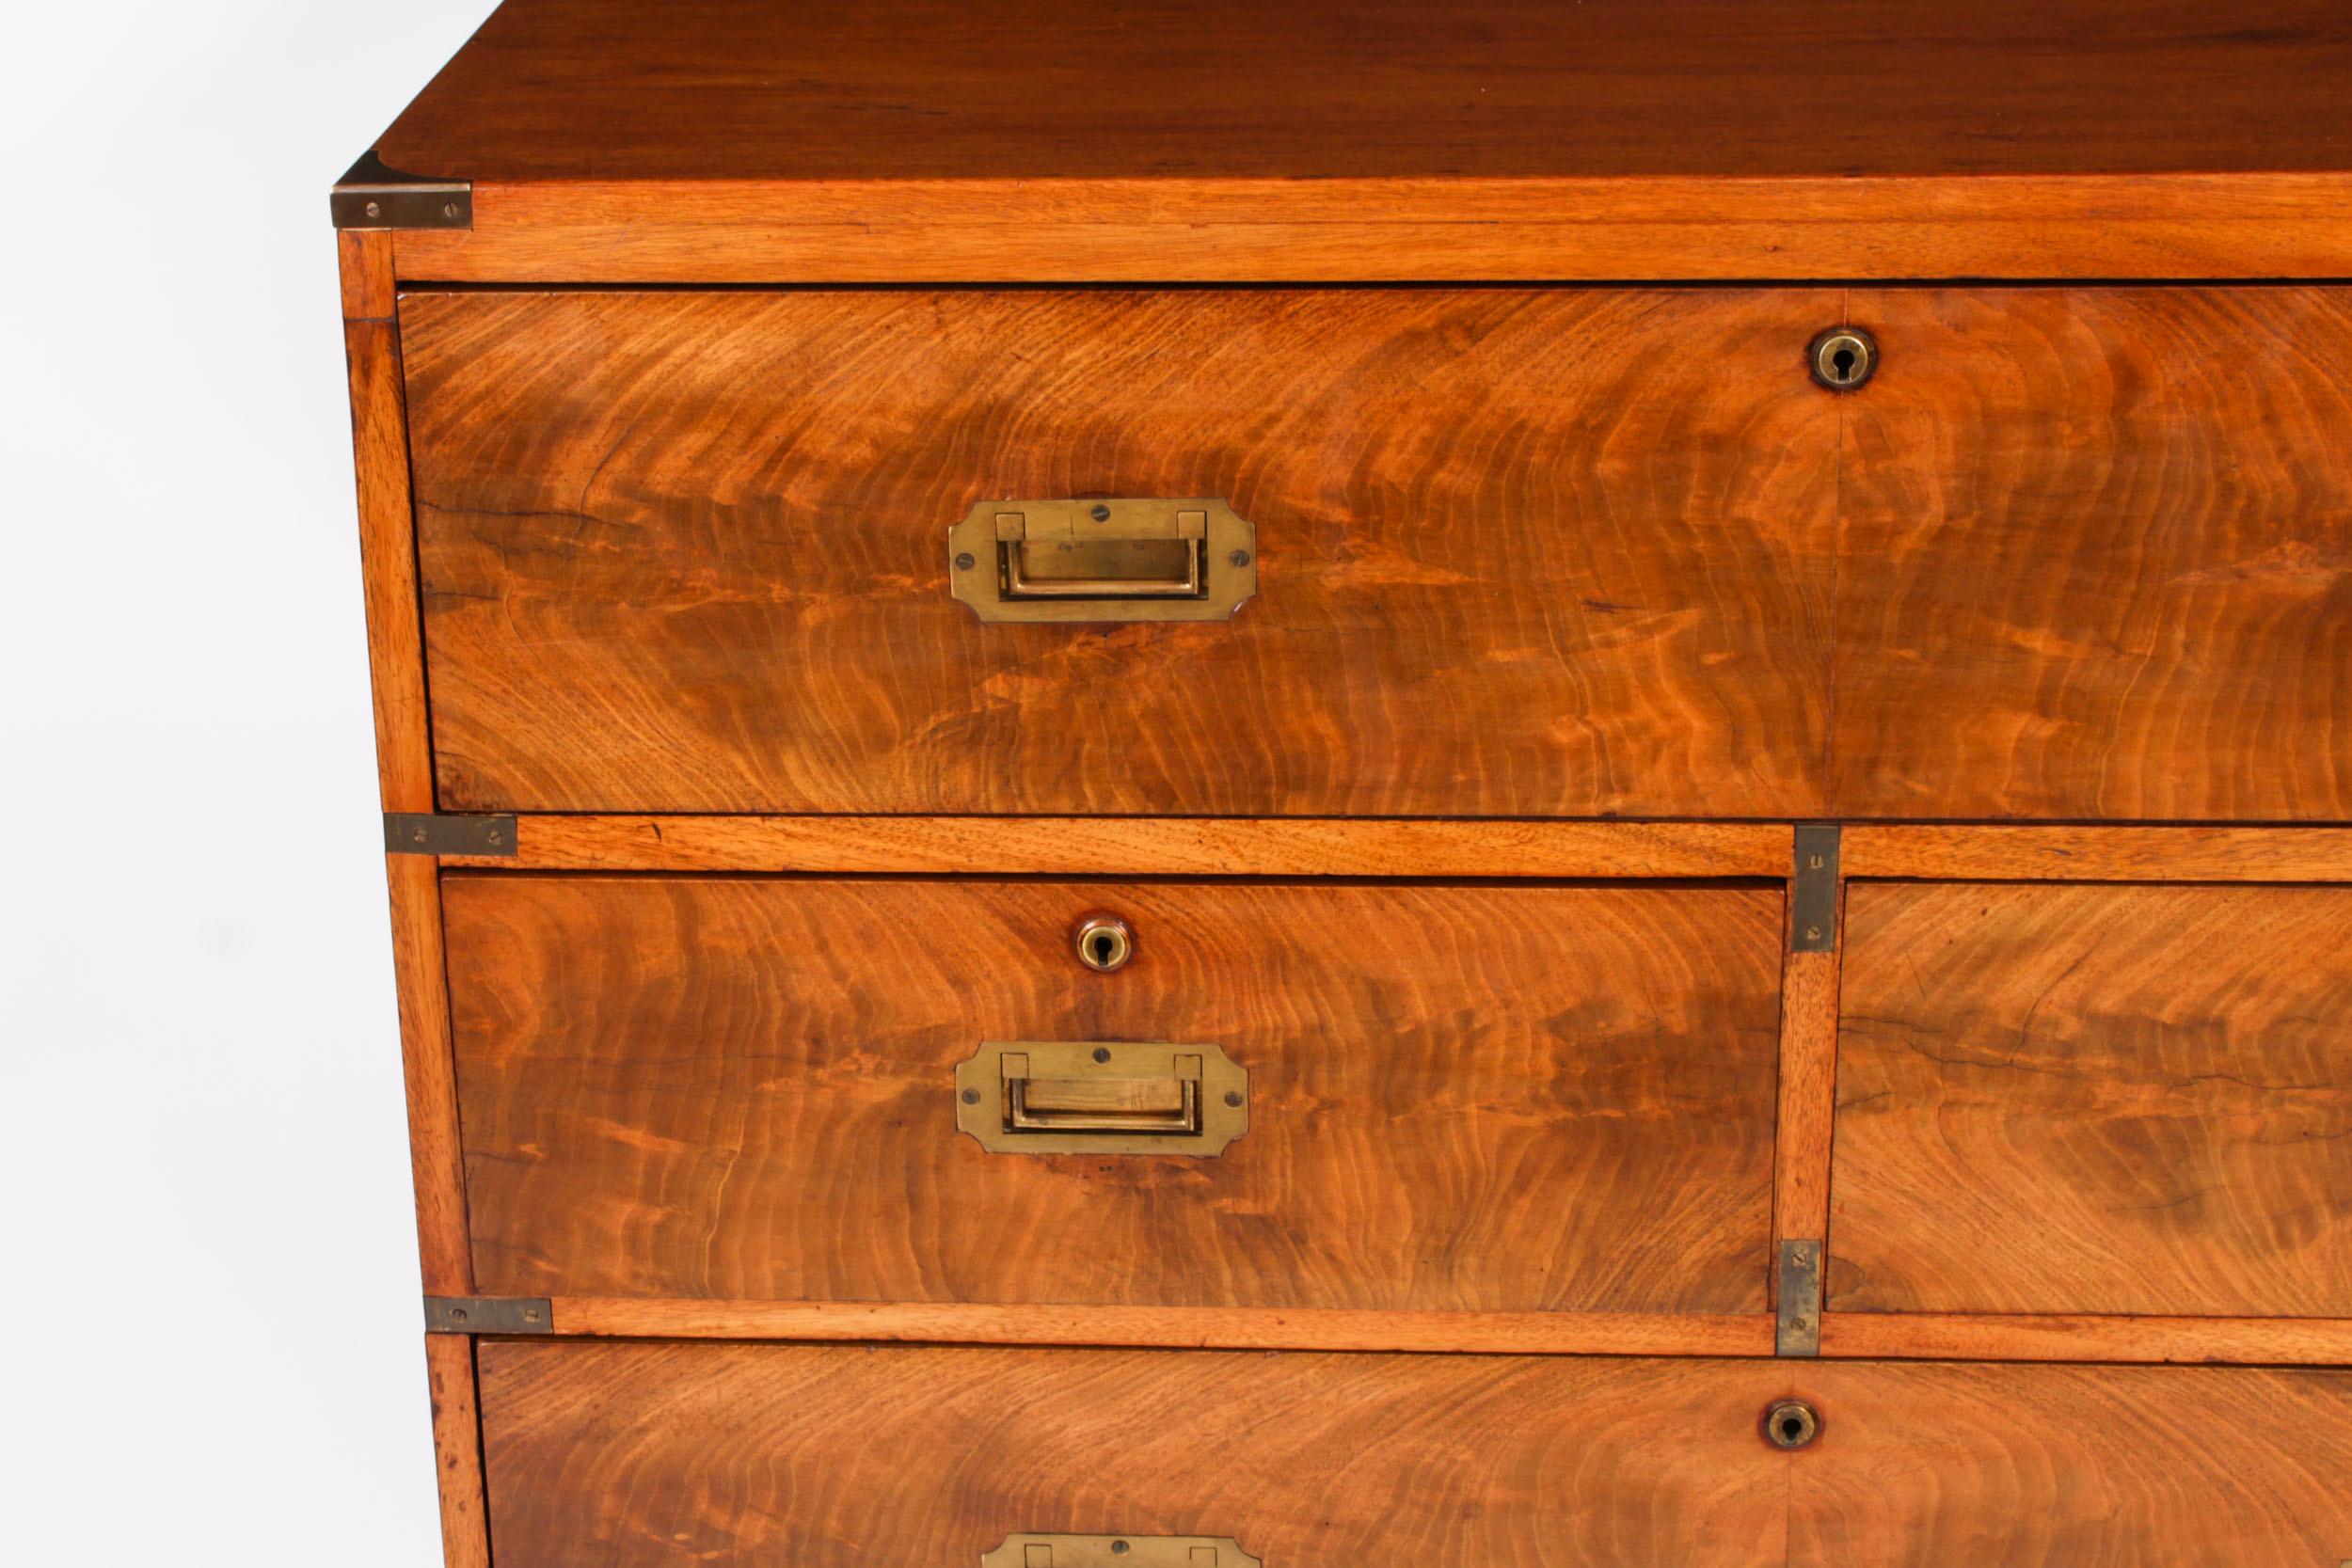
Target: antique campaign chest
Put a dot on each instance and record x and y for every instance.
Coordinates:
(1507, 785)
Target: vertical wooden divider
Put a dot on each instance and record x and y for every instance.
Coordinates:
(1808, 1098)
(379, 439)
(449, 1361)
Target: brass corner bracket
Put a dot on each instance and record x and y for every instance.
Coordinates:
(371, 195)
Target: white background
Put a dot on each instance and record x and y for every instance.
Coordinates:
(208, 1269)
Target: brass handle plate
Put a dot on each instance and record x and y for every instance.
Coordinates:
(1101, 1097)
(1072, 561)
(1119, 1551)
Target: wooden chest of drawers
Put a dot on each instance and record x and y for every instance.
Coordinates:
(1353, 787)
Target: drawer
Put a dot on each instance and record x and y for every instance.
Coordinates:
(2099, 1099)
(840, 1457)
(1485, 1098)
(2080, 553)
(1517, 552)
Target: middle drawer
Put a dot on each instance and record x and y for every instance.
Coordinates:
(1531, 1096)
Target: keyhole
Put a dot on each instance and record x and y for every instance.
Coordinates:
(1105, 943)
(1791, 1424)
(1844, 357)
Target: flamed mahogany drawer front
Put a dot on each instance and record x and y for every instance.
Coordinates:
(2107, 1099)
(1517, 552)
(2080, 553)
(1519, 1097)
(841, 1457)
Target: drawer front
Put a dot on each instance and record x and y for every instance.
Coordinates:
(2095, 556)
(2107, 1099)
(841, 1457)
(1519, 1097)
(1517, 552)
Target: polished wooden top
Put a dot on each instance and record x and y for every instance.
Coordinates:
(1310, 90)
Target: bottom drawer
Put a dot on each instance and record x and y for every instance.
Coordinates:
(845, 1457)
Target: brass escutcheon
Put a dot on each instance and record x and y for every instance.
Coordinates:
(1791, 1423)
(1844, 357)
(1105, 943)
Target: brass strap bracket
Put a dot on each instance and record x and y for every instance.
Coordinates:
(1119, 1551)
(1813, 890)
(370, 195)
(1798, 1328)
(430, 833)
(489, 1315)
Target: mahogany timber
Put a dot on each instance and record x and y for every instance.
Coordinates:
(2100, 854)
(2094, 1100)
(685, 552)
(1173, 1327)
(741, 1088)
(2051, 1466)
(1034, 140)
(627, 1454)
(1978, 1336)
(631, 1455)
(2095, 557)
(457, 1449)
(1146, 846)
(403, 750)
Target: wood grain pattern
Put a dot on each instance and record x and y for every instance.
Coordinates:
(380, 443)
(1925, 1467)
(2095, 557)
(2100, 854)
(822, 1456)
(1172, 1327)
(742, 1089)
(1976, 1336)
(1807, 1090)
(1352, 230)
(403, 751)
(683, 552)
(429, 1076)
(2084, 1099)
(457, 1450)
(1197, 91)
(1146, 846)
(843, 1457)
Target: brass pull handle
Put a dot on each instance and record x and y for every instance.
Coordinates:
(1103, 561)
(1021, 1550)
(1107, 1098)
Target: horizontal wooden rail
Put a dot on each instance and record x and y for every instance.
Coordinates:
(2100, 854)
(1969, 1336)
(1183, 1327)
(1146, 847)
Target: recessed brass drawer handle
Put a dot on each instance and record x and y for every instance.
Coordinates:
(1101, 1097)
(1103, 561)
(1119, 1551)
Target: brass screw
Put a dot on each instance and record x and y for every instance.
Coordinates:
(964, 561)
(1232, 1097)
(1239, 558)
(1100, 514)
(457, 1314)
(971, 1097)
(375, 209)
(449, 210)
(1102, 1053)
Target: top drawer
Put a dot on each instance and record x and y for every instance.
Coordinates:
(2074, 553)
(1519, 552)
